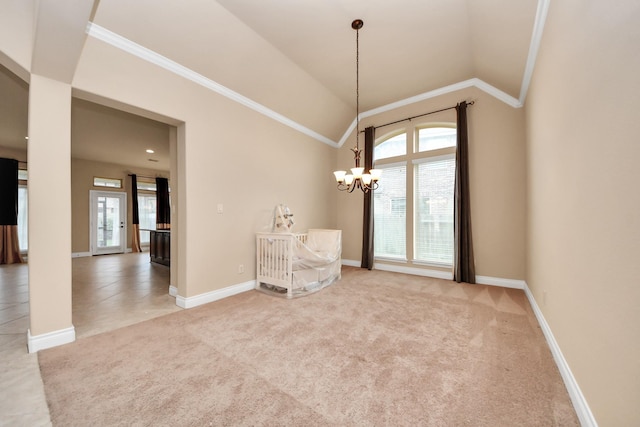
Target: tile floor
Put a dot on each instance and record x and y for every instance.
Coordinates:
(109, 292)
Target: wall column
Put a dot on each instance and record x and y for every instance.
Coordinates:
(179, 181)
(49, 168)
(175, 225)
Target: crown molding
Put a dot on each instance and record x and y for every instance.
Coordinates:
(141, 52)
(491, 90)
(536, 37)
(155, 58)
(475, 82)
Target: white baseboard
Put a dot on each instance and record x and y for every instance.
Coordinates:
(577, 398)
(438, 274)
(194, 301)
(173, 291)
(403, 269)
(36, 343)
(447, 275)
(80, 254)
(351, 263)
(85, 254)
(497, 281)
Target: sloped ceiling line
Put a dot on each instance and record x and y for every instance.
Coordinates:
(536, 37)
(141, 52)
(475, 82)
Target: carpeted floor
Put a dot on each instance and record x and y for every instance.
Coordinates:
(375, 348)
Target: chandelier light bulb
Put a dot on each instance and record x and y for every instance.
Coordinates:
(348, 179)
(340, 176)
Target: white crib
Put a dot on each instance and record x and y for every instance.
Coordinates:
(296, 264)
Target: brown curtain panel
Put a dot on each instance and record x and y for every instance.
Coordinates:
(135, 234)
(163, 209)
(463, 263)
(367, 221)
(9, 245)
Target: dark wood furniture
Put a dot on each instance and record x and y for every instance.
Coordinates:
(160, 246)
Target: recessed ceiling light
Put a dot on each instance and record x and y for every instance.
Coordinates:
(153, 160)
(150, 151)
(26, 138)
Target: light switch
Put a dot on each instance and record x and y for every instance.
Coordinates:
(220, 208)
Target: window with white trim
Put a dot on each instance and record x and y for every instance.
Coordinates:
(107, 182)
(413, 207)
(390, 213)
(433, 207)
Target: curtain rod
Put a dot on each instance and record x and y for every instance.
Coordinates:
(419, 115)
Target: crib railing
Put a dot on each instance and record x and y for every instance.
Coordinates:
(274, 258)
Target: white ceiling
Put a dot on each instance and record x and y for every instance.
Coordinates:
(407, 47)
(14, 104)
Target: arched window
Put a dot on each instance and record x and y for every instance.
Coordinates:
(436, 137)
(413, 207)
(391, 146)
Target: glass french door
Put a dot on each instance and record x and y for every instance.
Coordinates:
(108, 222)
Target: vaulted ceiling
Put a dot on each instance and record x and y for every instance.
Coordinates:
(407, 47)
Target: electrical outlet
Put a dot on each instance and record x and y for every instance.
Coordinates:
(240, 269)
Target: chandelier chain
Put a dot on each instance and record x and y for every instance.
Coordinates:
(357, 89)
(357, 178)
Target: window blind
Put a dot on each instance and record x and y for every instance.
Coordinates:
(390, 213)
(433, 205)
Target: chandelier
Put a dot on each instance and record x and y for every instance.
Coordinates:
(357, 178)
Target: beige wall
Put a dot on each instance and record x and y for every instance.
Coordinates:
(16, 35)
(583, 199)
(82, 174)
(14, 104)
(12, 153)
(227, 154)
(114, 136)
(497, 180)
